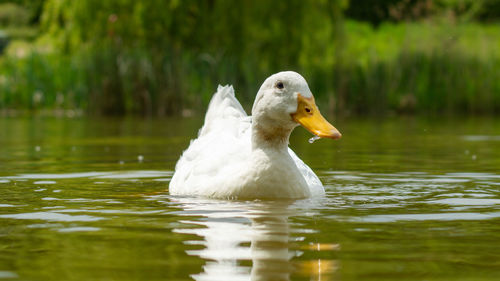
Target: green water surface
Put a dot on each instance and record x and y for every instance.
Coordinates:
(407, 199)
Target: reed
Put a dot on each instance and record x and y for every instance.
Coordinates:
(407, 68)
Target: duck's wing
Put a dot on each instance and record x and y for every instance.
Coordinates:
(222, 146)
(311, 178)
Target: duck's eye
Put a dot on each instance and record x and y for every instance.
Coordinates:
(280, 85)
(308, 110)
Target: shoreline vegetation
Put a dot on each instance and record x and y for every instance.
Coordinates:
(167, 58)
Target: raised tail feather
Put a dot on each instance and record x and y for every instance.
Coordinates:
(223, 105)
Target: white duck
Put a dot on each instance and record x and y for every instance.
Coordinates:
(247, 157)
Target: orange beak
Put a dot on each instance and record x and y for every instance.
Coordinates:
(309, 117)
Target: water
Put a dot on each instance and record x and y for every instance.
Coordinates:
(407, 199)
(313, 139)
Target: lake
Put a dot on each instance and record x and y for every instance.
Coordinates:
(406, 199)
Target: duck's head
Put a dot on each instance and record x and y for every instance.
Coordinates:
(285, 101)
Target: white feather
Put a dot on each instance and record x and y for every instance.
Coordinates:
(220, 162)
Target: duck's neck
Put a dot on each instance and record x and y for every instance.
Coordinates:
(270, 137)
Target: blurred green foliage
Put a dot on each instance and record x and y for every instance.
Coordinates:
(12, 14)
(379, 11)
(160, 57)
(21, 12)
(424, 67)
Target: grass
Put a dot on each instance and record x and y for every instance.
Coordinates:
(435, 68)
(421, 67)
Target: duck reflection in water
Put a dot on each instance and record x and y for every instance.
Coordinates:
(246, 241)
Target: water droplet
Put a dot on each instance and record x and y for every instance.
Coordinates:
(140, 158)
(313, 139)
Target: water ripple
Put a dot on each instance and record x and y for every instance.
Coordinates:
(51, 216)
(427, 217)
(79, 229)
